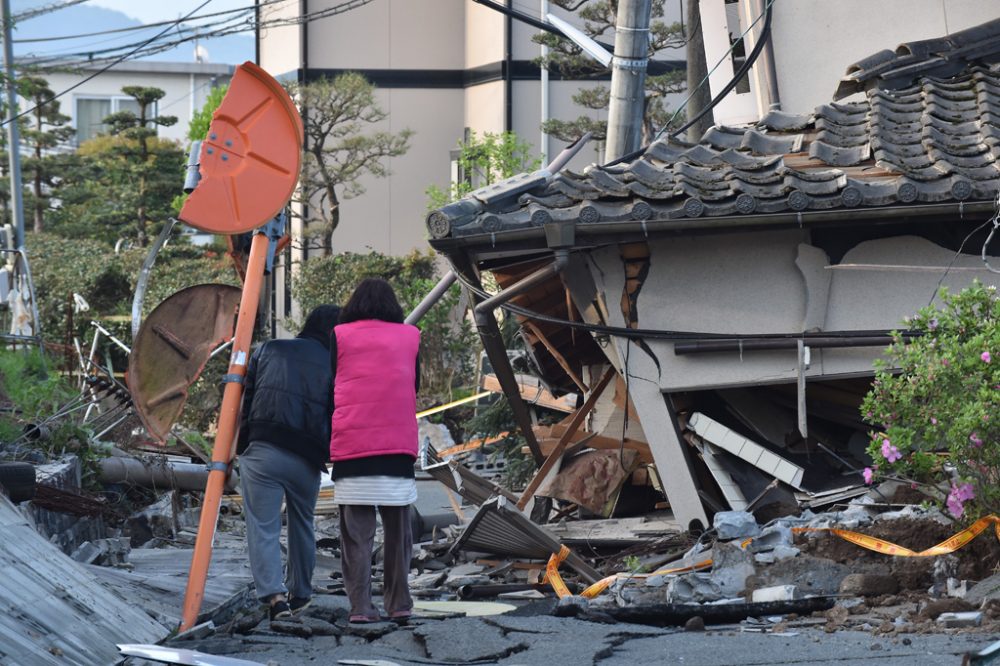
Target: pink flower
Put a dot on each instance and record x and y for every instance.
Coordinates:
(932, 324)
(945, 362)
(890, 452)
(986, 357)
(869, 475)
(976, 442)
(957, 498)
(933, 421)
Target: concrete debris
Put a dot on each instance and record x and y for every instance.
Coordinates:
(105, 552)
(735, 525)
(960, 620)
(776, 593)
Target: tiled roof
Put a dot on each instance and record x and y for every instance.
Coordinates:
(932, 140)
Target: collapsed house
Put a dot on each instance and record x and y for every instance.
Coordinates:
(741, 287)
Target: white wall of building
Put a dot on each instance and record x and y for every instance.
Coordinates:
(186, 86)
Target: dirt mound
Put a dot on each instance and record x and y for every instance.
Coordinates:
(976, 561)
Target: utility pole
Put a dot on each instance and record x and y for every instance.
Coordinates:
(628, 79)
(697, 70)
(13, 139)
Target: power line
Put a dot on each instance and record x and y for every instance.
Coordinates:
(100, 71)
(234, 26)
(144, 26)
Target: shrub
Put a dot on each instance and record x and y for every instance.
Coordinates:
(936, 401)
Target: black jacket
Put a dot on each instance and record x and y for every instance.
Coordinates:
(288, 398)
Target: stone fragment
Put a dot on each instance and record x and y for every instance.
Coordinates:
(948, 605)
(321, 627)
(696, 623)
(732, 566)
(868, 585)
(812, 575)
(427, 581)
(984, 590)
(371, 631)
(775, 593)
(291, 628)
(735, 525)
(571, 606)
(773, 536)
(960, 620)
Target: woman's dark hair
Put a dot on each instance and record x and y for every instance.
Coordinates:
(320, 322)
(372, 299)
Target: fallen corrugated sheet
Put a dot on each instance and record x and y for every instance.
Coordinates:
(53, 610)
(500, 528)
(472, 487)
(159, 578)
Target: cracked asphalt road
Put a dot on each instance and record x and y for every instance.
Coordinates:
(522, 638)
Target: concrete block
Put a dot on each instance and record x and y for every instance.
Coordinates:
(735, 525)
(868, 585)
(984, 590)
(776, 593)
(960, 620)
(777, 554)
(771, 537)
(693, 588)
(87, 553)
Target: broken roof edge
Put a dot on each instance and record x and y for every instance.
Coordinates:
(595, 233)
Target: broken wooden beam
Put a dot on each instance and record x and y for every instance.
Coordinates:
(560, 448)
(532, 392)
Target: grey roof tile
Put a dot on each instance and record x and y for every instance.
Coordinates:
(781, 121)
(760, 143)
(925, 132)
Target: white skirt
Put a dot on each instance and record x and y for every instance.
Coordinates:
(375, 491)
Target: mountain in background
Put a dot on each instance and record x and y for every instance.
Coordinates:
(82, 18)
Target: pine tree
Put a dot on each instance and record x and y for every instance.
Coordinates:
(567, 59)
(45, 130)
(141, 129)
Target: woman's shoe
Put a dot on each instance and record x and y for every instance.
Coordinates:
(298, 604)
(364, 619)
(279, 611)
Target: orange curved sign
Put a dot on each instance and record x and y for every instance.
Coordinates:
(250, 160)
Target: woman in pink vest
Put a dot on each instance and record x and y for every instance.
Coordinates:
(373, 444)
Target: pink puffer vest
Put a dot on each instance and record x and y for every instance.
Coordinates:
(374, 394)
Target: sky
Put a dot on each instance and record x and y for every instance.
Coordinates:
(148, 12)
(100, 15)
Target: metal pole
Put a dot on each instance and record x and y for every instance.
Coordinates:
(225, 438)
(628, 79)
(697, 70)
(435, 294)
(13, 138)
(543, 145)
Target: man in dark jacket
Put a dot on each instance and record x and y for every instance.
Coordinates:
(283, 446)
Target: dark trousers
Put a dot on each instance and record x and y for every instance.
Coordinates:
(357, 536)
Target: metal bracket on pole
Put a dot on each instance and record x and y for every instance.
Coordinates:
(232, 378)
(217, 467)
(274, 230)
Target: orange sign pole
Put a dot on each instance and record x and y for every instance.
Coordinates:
(225, 438)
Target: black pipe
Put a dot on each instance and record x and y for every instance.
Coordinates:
(508, 73)
(750, 344)
(487, 591)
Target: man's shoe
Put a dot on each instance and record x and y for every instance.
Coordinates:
(279, 611)
(299, 604)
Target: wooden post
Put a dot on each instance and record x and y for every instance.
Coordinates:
(225, 437)
(567, 436)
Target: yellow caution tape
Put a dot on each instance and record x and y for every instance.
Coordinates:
(949, 545)
(453, 403)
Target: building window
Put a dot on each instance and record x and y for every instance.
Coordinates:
(91, 112)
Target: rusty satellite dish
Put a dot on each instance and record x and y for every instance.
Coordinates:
(250, 160)
(172, 348)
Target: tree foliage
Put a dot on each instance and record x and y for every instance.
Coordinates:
(447, 347)
(340, 149)
(483, 161)
(202, 118)
(936, 404)
(568, 59)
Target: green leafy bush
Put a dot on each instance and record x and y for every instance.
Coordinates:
(448, 347)
(936, 400)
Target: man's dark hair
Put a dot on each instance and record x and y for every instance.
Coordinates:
(372, 299)
(320, 322)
